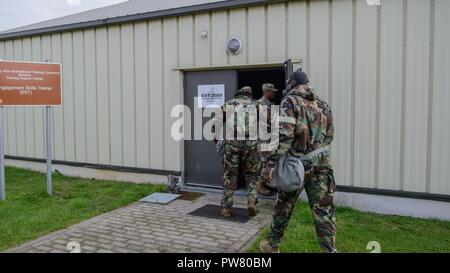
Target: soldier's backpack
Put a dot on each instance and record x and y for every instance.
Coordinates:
(220, 147)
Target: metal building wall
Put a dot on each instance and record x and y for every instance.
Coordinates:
(384, 70)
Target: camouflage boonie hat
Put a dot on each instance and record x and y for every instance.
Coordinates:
(269, 87)
(246, 90)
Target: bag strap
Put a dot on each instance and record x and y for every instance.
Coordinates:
(314, 153)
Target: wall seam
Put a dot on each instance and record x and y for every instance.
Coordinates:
(84, 96)
(121, 94)
(353, 107)
(247, 48)
(228, 32)
(286, 30)
(15, 108)
(53, 110)
(194, 41)
(266, 33)
(403, 95)
(308, 35)
(34, 107)
(73, 96)
(108, 93)
(330, 51)
(96, 94)
(209, 41)
(134, 96)
(5, 112)
(62, 108)
(430, 94)
(24, 112)
(21, 107)
(147, 50)
(377, 101)
(163, 89)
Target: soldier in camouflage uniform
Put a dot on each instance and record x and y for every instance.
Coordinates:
(306, 124)
(268, 99)
(240, 153)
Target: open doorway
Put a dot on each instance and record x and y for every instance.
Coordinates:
(256, 78)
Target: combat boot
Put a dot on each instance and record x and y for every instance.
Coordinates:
(252, 210)
(263, 190)
(226, 212)
(266, 247)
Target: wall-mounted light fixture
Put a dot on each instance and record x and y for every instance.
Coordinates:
(234, 45)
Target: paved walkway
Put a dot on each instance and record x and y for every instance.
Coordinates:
(151, 228)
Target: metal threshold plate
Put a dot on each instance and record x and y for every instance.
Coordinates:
(160, 198)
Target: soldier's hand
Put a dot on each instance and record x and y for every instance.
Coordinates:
(267, 173)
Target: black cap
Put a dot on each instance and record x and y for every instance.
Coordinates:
(299, 77)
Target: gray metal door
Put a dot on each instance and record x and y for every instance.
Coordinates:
(203, 166)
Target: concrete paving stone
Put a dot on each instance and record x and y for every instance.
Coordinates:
(101, 250)
(87, 248)
(155, 228)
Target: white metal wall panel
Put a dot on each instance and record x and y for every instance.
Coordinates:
(297, 29)
(5, 118)
(10, 112)
(103, 96)
(119, 85)
(416, 99)
(20, 111)
(202, 45)
(90, 96)
(46, 55)
(257, 37)
(238, 27)
(51, 47)
(219, 36)
(38, 112)
(156, 90)
(341, 89)
(128, 96)
(276, 32)
(390, 94)
(115, 95)
(29, 119)
(440, 151)
(186, 48)
(319, 48)
(365, 95)
(79, 96)
(172, 92)
(68, 102)
(142, 95)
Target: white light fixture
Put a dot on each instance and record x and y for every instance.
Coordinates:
(234, 45)
(204, 34)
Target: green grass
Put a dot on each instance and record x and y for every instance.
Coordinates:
(29, 212)
(355, 229)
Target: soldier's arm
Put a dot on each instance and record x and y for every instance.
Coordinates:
(330, 128)
(288, 120)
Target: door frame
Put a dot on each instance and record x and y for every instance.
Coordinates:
(236, 67)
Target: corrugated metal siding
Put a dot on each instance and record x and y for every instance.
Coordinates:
(384, 70)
